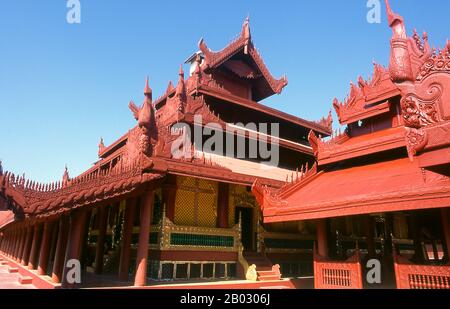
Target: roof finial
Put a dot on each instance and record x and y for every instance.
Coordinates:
(246, 28)
(181, 73)
(147, 90)
(392, 17)
(181, 90)
(1, 168)
(448, 50)
(198, 63)
(388, 7)
(101, 145)
(65, 178)
(180, 85)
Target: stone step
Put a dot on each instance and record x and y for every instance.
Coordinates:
(260, 268)
(13, 270)
(25, 280)
(3, 263)
(265, 272)
(273, 277)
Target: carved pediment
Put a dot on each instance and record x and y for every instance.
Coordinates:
(367, 97)
(253, 69)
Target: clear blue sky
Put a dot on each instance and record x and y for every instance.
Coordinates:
(63, 86)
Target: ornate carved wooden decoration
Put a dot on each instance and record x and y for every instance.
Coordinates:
(421, 112)
(37, 199)
(416, 141)
(367, 98)
(242, 43)
(145, 116)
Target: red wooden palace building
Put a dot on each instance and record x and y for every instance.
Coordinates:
(141, 213)
(381, 189)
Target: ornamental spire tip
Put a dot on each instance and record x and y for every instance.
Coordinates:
(147, 89)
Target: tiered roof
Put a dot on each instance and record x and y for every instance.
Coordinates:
(415, 93)
(143, 155)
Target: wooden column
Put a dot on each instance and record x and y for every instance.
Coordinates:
(169, 192)
(6, 246)
(14, 243)
(45, 248)
(415, 233)
(322, 240)
(100, 249)
(77, 227)
(23, 235)
(60, 252)
(369, 236)
(142, 252)
(11, 242)
(445, 215)
(32, 262)
(23, 239)
(7, 242)
(127, 232)
(53, 242)
(23, 242)
(27, 248)
(222, 209)
(18, 243)
(16, 237)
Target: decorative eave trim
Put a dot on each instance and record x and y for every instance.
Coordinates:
(437, 197)
(427, 139)
(111, 148)
(35, 199)
(336, 150)
(269, 198)
(367, 99)
(213, 92)
(210, 172)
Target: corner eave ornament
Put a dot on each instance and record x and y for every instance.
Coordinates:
(146, 120)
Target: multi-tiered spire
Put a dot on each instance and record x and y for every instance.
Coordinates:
(148, 91)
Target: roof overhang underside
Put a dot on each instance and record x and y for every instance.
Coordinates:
(6, 217)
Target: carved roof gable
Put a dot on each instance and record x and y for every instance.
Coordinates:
(243, 44)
